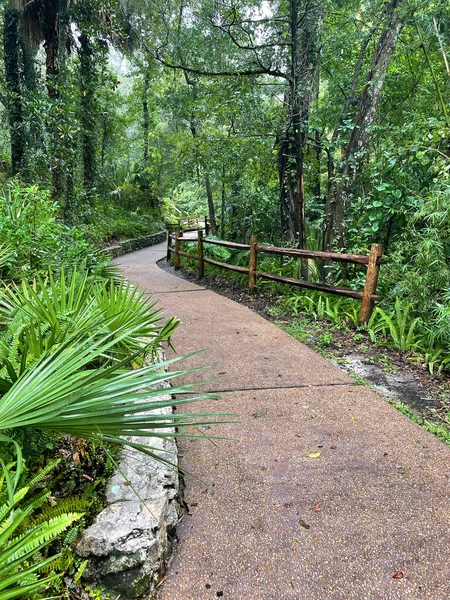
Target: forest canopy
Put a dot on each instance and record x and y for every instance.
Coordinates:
(315, 123)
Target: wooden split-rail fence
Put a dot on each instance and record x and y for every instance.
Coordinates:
(373, 261)
(191, 223)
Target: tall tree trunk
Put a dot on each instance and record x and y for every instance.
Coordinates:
(211, 210)
(50, 31)
(146, 121)
(223, 211)
(193, 126)
(88, 112)
(13, 87)
(340, 187)
(34, 136)
(305, 34)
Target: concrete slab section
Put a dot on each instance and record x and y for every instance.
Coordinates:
(270, 520)
(153, 279)
(245, 350)
(141, 269)
(146, 256)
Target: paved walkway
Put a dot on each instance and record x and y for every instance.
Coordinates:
(270, 518)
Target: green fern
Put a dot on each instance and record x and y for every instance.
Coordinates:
(401, 328)
(79, 574)
(21, 558)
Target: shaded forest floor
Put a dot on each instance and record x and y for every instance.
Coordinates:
(402, 377)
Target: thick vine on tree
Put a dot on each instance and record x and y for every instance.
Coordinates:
(88, 82)
(11, 46)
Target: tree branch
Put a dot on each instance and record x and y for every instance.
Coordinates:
(202, 73)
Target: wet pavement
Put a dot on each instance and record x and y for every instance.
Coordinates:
(322, 491)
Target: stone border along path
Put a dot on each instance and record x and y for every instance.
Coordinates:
(323, 491)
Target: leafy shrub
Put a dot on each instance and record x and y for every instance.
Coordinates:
(134, 195)
(30, 227)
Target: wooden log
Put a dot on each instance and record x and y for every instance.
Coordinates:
(177, 249)
(187, 219)
(168, 253)
(216, 263)
(252, 266)
(201, 264)
(370, 286)
(332, 256)
(227, 244)
(188, 255)
(321, 287)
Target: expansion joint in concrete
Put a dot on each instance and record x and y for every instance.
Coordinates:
(275, 387)
(174, 292)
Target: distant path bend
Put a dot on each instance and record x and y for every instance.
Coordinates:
(270, 518)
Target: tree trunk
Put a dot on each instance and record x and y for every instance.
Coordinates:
(305, 34)
(223, 210)
(146, 121)
(193, 126)
(211, 209)
(13, 87)
(34, 137)
(50, 31)
(340, 188)
(88, 112)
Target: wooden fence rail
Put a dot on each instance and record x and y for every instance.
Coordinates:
(373, 261)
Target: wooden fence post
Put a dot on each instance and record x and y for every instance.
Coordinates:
(201, 264)
(370, 287)
(252, 266)
(169, 233)
(177, 249)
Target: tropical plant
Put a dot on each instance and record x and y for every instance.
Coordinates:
(68, 371)
(41, 314)
(24, 569)
(398, 325)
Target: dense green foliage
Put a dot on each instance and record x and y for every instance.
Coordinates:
(72, 361)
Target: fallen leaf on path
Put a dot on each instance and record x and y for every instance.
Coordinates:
(397, 575)
(304, 524)
(315, 454)
(165, 578)
(317, 507)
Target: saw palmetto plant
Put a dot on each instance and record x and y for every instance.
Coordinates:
(77, 356)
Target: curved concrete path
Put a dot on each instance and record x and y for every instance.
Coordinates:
(269, 517)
